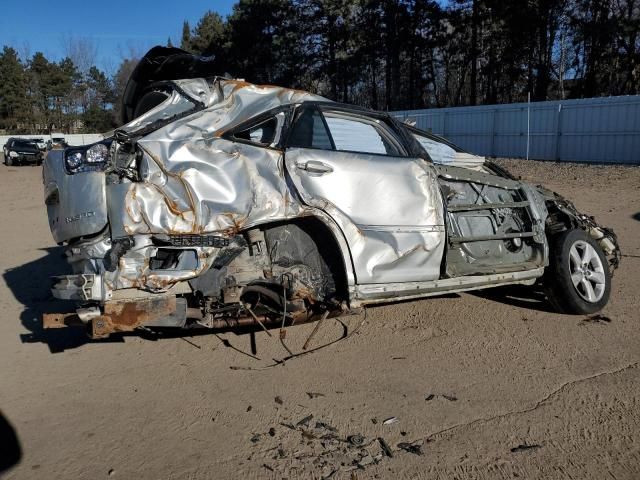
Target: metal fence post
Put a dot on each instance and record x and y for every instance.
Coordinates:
(444, 124)
(494, 113)
(528, 123)
(558, 131)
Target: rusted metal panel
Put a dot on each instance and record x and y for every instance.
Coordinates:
(60, 320)
(125, 316)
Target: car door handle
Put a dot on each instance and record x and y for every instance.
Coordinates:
(314, 166)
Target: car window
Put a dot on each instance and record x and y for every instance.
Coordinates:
(309, 131)
(23, 144)
(264, 133)
(359, 134)
(439, 152)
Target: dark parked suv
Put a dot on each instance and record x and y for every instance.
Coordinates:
(20, 151)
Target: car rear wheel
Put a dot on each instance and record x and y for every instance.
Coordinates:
(577, 280)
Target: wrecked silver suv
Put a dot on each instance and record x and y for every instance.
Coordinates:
(223, 204)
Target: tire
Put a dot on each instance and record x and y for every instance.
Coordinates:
(577, 280)
(8, 161)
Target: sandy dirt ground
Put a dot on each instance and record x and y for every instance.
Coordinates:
(482, 386)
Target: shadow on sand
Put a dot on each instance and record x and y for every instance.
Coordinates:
(10, 450)
(30, 284)
(636, 216)
(523, 296)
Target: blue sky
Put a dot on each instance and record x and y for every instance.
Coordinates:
(116, 28)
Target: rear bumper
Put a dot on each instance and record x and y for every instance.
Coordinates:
(119, 290)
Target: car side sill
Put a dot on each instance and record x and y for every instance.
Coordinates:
(380, 293)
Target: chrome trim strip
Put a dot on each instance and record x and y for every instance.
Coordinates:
(402, 228)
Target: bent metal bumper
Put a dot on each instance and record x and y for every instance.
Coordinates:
(166, 311)
(124, 316)
(134, 293)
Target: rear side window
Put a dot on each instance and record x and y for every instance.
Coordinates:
(359, 134)
(264, 133)
(438, 152)
(309, 131)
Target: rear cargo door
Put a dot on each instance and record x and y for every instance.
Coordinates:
(76, 204)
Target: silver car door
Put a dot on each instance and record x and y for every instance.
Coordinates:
(389, 206)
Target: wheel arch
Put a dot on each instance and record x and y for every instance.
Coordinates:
(330, 233)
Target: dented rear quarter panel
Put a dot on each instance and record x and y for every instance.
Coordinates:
(196, 181)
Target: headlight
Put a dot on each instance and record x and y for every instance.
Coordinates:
(13, 154)
(74, 160)
(93, 158)
(97, 153)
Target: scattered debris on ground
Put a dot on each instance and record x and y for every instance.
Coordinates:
(524, 447)
(597, 319)
(321, 449)
(414, 448)
(305, 421)
(450, 398)
(313, 395)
